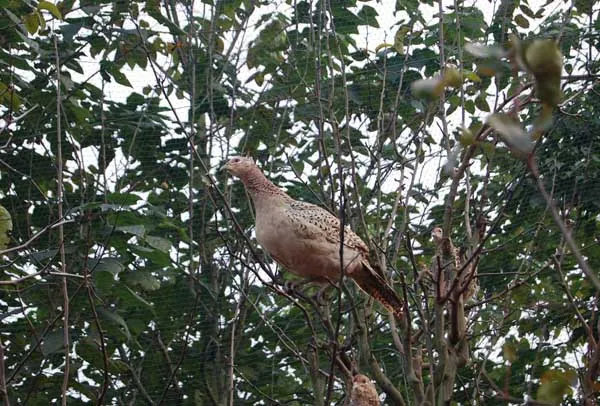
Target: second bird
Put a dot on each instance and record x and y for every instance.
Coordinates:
(305, 239)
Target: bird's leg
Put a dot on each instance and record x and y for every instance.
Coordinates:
(320, 296)
(296, 285)
(290, 286)
(295, 288)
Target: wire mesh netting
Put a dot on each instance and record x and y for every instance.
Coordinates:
(457, 140)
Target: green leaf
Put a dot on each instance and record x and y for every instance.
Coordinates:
(136, 229)
(369, 15)
(142, 279)
(584, 6)
(522, 21)
(481, 103)
(120, 78)
(6, 227)
(136, 326)
(527, 11)
(138, 297)
(46, 5)
(43, 254)
(155, 13)
(157, 257)
(104, 281)
(90, 351)
(110, 265)
(115, 318)
(134, 99)
(53, 342)
(159, 243)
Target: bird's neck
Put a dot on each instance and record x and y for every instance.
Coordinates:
(260, 187)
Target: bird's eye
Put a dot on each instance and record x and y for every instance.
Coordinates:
(235, 160)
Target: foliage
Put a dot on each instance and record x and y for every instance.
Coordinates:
(141, 282)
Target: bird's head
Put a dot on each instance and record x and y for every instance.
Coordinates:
(437, 234)
(238, 166)
(360, 379)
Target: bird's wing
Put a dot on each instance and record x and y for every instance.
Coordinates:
(314, 222)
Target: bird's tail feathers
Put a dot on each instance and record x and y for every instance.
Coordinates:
(375, 286)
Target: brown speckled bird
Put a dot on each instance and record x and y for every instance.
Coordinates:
(305, 239)
(468, 285)
(364, 392)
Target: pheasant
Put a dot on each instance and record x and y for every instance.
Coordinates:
(468, 281)
(363, 392)
(305, 238)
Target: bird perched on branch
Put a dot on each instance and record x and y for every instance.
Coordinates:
(468, 285)
(305, 239)
(363, 392)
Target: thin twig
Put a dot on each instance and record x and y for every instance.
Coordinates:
(183, 351)
(3, 390)
(61, 232)
(533, 168)
(135, 375)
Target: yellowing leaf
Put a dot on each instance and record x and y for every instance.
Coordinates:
(46, 5)
(383, 45)
(509, 352)
(259, 78)
(554, 385)
(543, 122)
(466, 138)
(543, 57)
(452, 77)
(219, 45)
(31, 22)
(6, 227)
(472, 76)
(486, 70)
(399, 39)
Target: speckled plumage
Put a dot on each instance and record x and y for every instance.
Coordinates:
(363, 392)
(305, 238)
(466, 276)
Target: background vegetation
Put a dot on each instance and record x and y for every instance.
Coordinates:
(132, 276)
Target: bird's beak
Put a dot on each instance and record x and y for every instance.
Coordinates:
(224, 167)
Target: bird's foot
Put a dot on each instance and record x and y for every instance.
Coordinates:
(290, 287)
(322, 295)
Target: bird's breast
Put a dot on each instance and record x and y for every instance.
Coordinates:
(308, 256)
